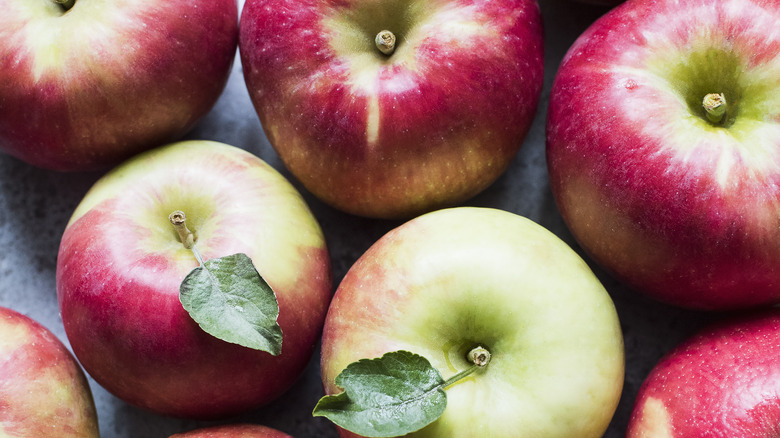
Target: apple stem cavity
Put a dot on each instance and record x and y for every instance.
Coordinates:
(179, 221)
(385, 42)
(715, 107)
(66, 4)
(479, 357)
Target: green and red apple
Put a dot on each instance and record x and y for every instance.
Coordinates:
(663, 149)
(451, 280)
(121, 265)
(88, 83)
(43, 391)
(233, 431)
(391, 130)
(722, 382)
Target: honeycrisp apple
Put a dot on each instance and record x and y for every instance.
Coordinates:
(663, 148)
(722, 382)
(161, 322)
(43, 391)
(387, 108)
(87, 83)
(524, 333)
(233, 431)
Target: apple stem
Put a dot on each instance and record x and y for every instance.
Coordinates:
(479, 357)
(385, 42)
(66, 4)
(715, 106)
(179, 222)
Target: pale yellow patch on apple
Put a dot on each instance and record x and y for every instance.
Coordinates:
(14, 336)
(654, 422)
(63, 42)
(372, 124)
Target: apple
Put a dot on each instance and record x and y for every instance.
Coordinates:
(43, 391)
(233, 431)
(121, 264)
(723, 381)
(671, 198)
(429, 124)
(86, 84)
(447, 281)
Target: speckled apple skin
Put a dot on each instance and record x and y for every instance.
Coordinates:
(43, 391)
(233, 431)
(722, 382)
(120, 265)
(88, 88)
(684, 211)
(431, 125)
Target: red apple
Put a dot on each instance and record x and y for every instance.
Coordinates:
(668, 196)
(43, 391)
(391, 135)
(88, 84)
(723, 382)
(448, 281)
(233, 431)
(121, 263)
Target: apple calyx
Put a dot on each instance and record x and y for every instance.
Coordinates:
(66, 4)
(228, 298)
(715, 107)
(385, 42)
(396, 394)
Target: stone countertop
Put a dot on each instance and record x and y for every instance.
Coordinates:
(35, 205)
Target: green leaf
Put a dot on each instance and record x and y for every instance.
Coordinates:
(394, 395)
(229, 299)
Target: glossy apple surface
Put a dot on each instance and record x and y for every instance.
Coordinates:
(43, 391)
(682, 208)
(450, 280)
(85, 88)
(724, 382)
(429, 125)
(121, 263)
(233, 431)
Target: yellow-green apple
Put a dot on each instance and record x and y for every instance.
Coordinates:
(431, 122)
(121, 263)
(88, 83)
(233, 431)
(722, 382)
(43, 391)
(450, 280)
(663, 149)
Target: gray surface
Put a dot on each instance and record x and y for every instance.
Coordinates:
(35, 205)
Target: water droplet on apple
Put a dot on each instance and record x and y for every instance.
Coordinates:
(630, 84)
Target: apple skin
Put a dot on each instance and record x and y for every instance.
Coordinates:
(233, 431)
(681, 209)
(429, 126)
(43, 391)
(120, 265)
(446, 281)
(87, 88)
(722, 382)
